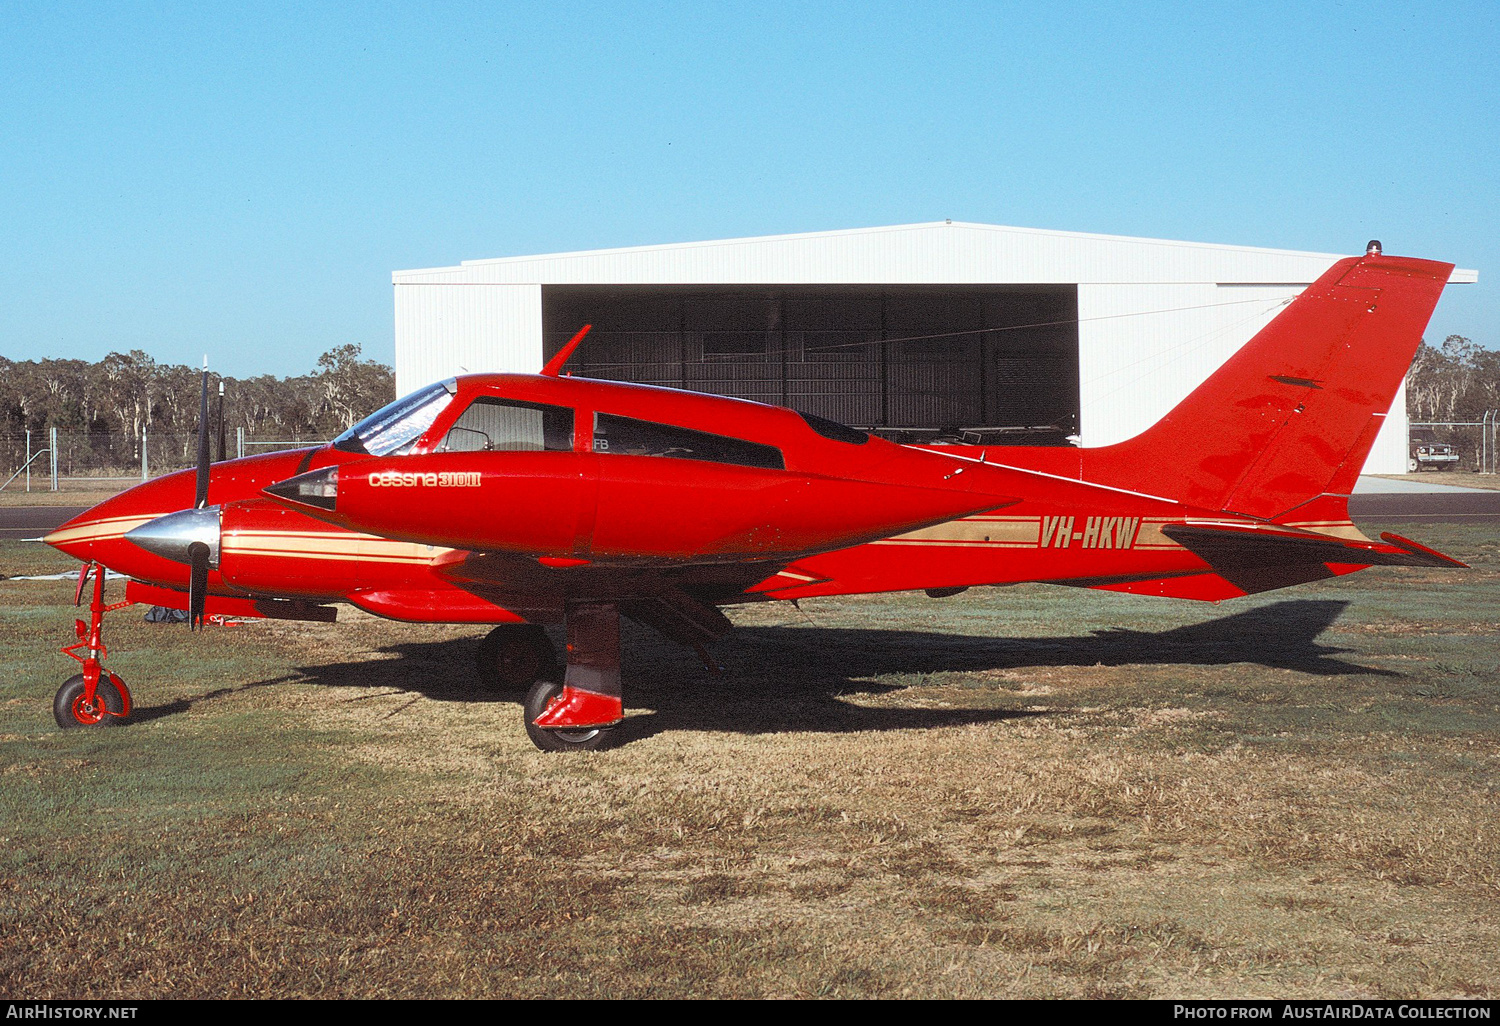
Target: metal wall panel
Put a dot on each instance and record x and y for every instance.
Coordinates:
(1143, 348)
(1388, 454)
(448, 329)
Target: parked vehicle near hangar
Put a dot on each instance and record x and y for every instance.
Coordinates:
(518, 500)
(1427, 453)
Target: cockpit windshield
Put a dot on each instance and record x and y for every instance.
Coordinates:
(392, 430)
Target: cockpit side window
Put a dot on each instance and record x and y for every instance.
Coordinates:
(625, 435)
(491, 423)
(834, 430)
(392, 430)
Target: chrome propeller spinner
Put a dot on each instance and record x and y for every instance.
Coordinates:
(175, 535)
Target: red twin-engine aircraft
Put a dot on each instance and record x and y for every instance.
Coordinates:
(522, 499)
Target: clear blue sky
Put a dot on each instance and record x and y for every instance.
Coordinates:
(242, 179)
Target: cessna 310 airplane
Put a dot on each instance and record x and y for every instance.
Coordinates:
(517, 500)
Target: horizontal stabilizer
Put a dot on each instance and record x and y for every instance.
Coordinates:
(1432, 557)
(1225, 546)
(1246, 559)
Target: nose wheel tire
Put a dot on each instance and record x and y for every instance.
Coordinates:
(513, 655)
(70, 708)
(542, 693)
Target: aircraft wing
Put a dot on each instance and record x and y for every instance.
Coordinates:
(680, 602)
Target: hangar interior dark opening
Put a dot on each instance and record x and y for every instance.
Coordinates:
(993, 363)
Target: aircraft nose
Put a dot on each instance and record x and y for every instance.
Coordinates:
(99, 533)
(91, 535)
(173, 536)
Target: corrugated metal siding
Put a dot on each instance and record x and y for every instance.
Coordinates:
(443, 330)
(1388, 454)
(975, 356)
(1142, 348)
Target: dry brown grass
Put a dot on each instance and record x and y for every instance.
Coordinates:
(1291, 796)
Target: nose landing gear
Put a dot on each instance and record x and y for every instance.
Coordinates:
(96, 697)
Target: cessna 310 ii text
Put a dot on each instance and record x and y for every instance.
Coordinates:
(518, 500)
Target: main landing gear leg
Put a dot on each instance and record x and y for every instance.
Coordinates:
(96, 697)
(581, 713)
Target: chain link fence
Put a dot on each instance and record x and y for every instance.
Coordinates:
(1476, 443)
(54, 460)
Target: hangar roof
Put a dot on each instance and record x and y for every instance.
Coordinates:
(939, 252)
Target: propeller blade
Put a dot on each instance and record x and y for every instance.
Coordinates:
(202, 495)
(197, 583)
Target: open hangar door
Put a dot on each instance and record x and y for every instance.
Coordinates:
(996, 363)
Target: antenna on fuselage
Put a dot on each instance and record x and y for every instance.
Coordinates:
(555, 365)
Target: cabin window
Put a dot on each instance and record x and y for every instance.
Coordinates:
(393, 429)
(493, 424)
(832, 429)
(630, 437)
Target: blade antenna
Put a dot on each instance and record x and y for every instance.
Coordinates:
(555, 365)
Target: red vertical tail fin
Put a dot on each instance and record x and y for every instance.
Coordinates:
(1291, 417)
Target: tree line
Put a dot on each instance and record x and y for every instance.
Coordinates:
(110, 401)
(1457, 381)
(124, 392)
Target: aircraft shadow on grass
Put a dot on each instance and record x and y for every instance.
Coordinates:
(792, 678)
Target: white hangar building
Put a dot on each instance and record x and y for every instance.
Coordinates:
(922, 330)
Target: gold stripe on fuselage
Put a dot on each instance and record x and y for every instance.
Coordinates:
(359, 548)
(1002, 532)
(97, 530)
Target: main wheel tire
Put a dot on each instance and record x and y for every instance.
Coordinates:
(513, 655)
(1412, 466)
(538, 698)
(70, 710)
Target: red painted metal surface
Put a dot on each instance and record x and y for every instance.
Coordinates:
(86, 708)
(1240, 488)
(575, 709)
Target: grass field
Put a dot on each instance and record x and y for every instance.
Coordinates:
(1026, 792)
